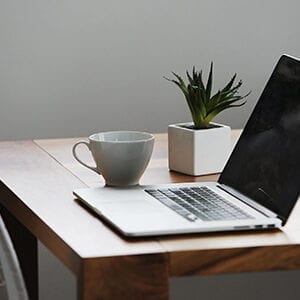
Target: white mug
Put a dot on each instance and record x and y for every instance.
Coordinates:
(121, 157)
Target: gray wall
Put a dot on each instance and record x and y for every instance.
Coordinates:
(71, 67)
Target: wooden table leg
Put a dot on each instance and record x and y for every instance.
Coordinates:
(127, 277)
(26, 248)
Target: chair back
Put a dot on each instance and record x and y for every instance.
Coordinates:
(11, 279)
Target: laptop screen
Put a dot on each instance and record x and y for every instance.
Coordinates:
(265, 164)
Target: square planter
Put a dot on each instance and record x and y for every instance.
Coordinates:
(198, 152)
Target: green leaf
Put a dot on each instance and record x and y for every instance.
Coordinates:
(201, 84)
(202, 105)
(191, 100)
(194, 74)
(191, 80)
(216, 110)
(180, 80)
(229, 85)
(215, 99)
(180, 83)
(209, 82)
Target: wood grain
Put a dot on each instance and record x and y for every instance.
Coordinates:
(236, 260)
(127, 277)
(42, 200)
(37, 180)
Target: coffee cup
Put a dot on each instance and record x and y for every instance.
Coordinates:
(121, 157)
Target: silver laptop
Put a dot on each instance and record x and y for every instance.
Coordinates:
(257, 189)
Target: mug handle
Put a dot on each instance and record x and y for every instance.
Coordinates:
(79, 160)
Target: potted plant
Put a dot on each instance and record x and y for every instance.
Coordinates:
(202, 146)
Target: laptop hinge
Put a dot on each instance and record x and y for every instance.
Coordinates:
(262, 209)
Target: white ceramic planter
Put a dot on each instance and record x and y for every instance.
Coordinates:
(198, 152)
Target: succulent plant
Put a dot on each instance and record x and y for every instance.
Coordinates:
(204, 107)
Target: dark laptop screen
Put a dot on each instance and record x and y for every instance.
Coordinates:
(265, 164)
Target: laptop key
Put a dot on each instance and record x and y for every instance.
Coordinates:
(173, 205)
(198, 202)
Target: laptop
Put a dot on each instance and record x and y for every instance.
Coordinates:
(257, 189)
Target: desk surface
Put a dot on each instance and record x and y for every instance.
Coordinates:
(37, 179)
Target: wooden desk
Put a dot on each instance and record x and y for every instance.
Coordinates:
(37, 179)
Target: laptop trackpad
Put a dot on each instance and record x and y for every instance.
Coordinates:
(128, 207)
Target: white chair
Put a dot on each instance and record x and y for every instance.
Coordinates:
(12, 285)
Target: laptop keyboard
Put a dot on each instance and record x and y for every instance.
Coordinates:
(201, 203)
